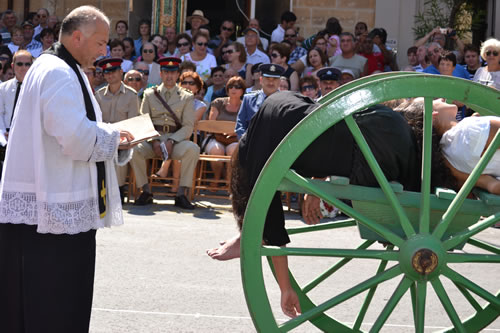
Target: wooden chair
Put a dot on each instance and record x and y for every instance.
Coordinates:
(204, 184)
(161, 186)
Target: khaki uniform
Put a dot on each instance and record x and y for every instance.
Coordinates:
(181, 102)
(117, 107)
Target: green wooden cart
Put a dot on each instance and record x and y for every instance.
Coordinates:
(422, 230)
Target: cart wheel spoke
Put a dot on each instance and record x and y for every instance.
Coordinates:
(320, 191)
(420, 306)
(341, 253)
(445, 301)
(468, 297)
(326, 274)
(426, 168)
(483, 245)
(463, 281)
(403, 287)
(348, 294)
(379, 175)
(471, 231)
(472, 257)
(369, 296)
(322, 226)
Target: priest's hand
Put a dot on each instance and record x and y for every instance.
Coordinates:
(125, 138)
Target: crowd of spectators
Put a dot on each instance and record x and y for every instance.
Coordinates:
(220, 68)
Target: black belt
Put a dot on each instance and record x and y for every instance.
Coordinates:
(166, 128)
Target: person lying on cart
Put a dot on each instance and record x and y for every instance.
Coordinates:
(394, 139)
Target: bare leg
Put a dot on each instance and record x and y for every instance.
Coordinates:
(163, 171)
(228, 250)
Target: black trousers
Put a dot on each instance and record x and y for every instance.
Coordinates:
(46, 281)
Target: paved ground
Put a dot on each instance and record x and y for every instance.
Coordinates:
(153, 276)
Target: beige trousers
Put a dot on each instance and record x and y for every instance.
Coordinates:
(186, 151)
(121, 174)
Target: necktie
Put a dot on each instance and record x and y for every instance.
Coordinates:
(15, 101)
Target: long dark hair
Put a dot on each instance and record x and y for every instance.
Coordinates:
(239, 188)
(413, 112)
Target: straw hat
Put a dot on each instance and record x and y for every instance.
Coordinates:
(197, 13)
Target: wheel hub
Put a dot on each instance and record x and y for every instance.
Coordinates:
(424, 261)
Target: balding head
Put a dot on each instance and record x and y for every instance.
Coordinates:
(84, 19)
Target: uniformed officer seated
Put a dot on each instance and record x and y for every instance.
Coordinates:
(329, 79)
(270, 82)
(174, 135)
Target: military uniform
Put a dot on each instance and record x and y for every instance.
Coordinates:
(117, 107)
(181, 102)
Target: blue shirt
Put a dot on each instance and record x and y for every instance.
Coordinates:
(459, 71)
(249, 106)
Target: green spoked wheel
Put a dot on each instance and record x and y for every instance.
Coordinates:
(421, 230)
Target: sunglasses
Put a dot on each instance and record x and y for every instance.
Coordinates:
(202, 44)
(143, 71)
(228, 52)
(4, 58)
(20, 64)
(274, 55)
(290, 36)
(189, 83)
(136, 79)
(226, 28)
(306, 88)
(236, 86)
(488, 53)
(148, 51)
(182, 44)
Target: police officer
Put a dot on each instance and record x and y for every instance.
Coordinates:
(329, 79)
(174, 125)
(270, 82)
(118, 102)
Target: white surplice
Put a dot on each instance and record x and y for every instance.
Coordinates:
(50, 177)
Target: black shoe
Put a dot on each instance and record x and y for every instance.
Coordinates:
(183, 202)
(145, 198)
(122, 193)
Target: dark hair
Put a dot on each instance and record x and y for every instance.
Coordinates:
(200, 34)
(192, 74)
(155, 52)
(121, 21)
(412, 49)
(239, 188)
(379, 32)
(236, 80)
(448, 55)
(47, 31)
(413, 112)
(308, 79)
(116, 42)
(183, 36)
(4, 49)
(186, 64)
(324, 58)
(217, 69)
(142, 22)
(363, 24)
(333, 26)
(471, 48)
(288, 16)
(282, 49)
(30, 16)
(131, 41)
(154, 36)
(6, 68)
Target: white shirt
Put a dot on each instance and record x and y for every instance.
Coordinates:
(13, 48)
(490, 79)
(464, 143)
(7, 96)
(50, 177)
(256, 57)
(127, 65)
(278, 34)
(204, 66)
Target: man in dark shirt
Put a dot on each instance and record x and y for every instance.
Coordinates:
(333, 153)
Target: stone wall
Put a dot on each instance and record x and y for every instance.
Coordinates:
(312, 14)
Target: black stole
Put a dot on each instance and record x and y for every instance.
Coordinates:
(60, 51)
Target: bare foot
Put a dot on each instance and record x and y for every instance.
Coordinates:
(227, 250)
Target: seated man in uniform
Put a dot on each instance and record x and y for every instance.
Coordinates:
(172, 111)
(329, 79)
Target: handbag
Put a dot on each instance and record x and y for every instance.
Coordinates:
(226, 139)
